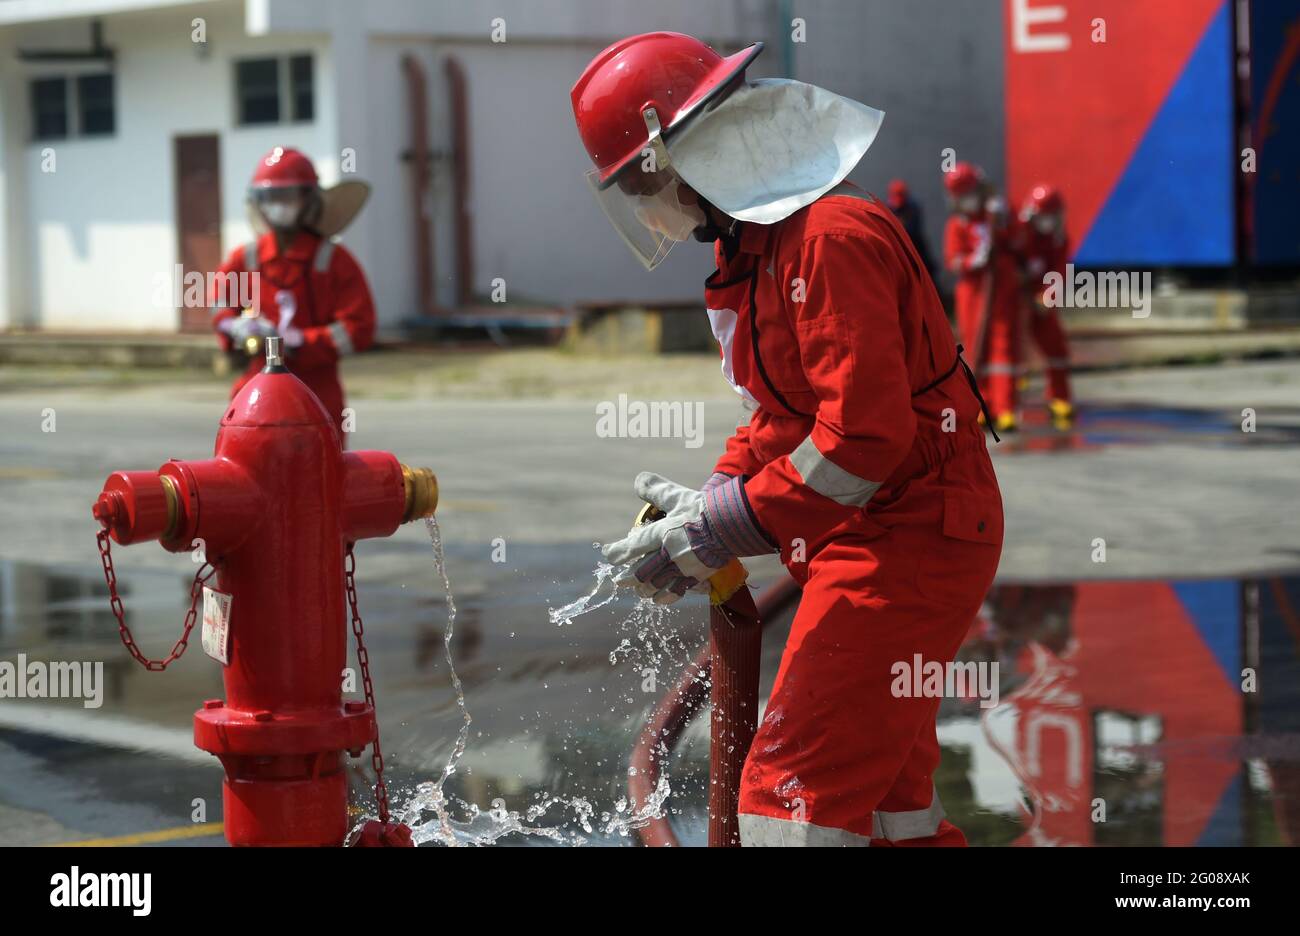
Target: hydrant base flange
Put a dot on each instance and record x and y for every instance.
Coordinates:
(226, 731)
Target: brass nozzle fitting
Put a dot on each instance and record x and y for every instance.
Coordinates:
(421, 493)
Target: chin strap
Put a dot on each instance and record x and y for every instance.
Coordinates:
(709, 232)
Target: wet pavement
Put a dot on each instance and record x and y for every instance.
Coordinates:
(1120, 690)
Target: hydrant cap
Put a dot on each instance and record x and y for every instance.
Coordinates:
(276, 399)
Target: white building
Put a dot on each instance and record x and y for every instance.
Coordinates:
(129, 129)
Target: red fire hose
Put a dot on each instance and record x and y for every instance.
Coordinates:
(728, 667)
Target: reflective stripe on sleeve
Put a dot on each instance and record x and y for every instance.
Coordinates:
(342, 340)
(829, 479)
(323, 256)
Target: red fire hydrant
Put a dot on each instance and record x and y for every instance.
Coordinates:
(276, 511)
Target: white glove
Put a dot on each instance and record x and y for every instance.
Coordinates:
(242, 327)
(702, 532)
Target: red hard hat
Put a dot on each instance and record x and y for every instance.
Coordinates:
(963, 179)
(1044, 199)
(897, 193)
(284, 168)
(672, 73)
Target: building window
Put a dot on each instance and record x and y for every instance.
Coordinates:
(96, 115)
(271, 90)
(257, 84)
(56, 100)
(49, 108)
(302, 87)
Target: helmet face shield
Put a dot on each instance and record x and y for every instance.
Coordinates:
(647, 211)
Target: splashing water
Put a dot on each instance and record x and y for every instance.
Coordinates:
(589, 602)
(434, 816)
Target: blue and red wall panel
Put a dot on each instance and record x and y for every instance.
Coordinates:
(1139, 131)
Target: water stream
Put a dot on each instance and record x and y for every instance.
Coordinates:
(651, 643)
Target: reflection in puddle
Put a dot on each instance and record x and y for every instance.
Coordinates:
(1125, 709)
(1140, 712)
(1100, 425)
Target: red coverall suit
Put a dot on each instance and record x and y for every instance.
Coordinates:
(316, 286)
(830, 323)
(1042, 254)
(995, 346)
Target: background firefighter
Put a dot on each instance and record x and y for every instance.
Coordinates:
(311, 290)
(978, 246)
(1044, 248)
(908, 211)
(863, 462)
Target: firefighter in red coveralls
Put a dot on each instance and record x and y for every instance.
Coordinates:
(1044, 249)
(979, 247)
(863, 462)
(311, 291)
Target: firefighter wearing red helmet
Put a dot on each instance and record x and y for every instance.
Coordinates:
(309, 289)
(979, 248)
(862, 464)
(1044, 249)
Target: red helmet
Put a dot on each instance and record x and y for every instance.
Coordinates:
(1043, 199)
(898, 194)
(963, 179)
(284, 168)
(667, 73)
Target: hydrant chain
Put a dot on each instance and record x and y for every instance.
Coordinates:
(201, 578)
(363, 660)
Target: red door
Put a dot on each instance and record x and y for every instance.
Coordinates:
(198, 218)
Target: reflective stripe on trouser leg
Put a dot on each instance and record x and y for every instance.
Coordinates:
(771, 832)
(916, 823)
(829, 479)
(837, 743)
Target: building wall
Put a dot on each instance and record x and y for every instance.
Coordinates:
(84, 246)
(535, 225)
(100, 230)
(935, 67)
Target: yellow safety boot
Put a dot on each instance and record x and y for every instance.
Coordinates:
(1062, 413)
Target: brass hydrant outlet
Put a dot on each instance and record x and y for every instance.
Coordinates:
(421, 493)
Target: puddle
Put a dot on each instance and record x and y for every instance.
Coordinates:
(1123, 719)
(1123, 694)
(1102, 425)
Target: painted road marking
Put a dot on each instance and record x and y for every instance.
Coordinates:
(198, 830)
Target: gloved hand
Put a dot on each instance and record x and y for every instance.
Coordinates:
(241, 327)
(702, 532)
